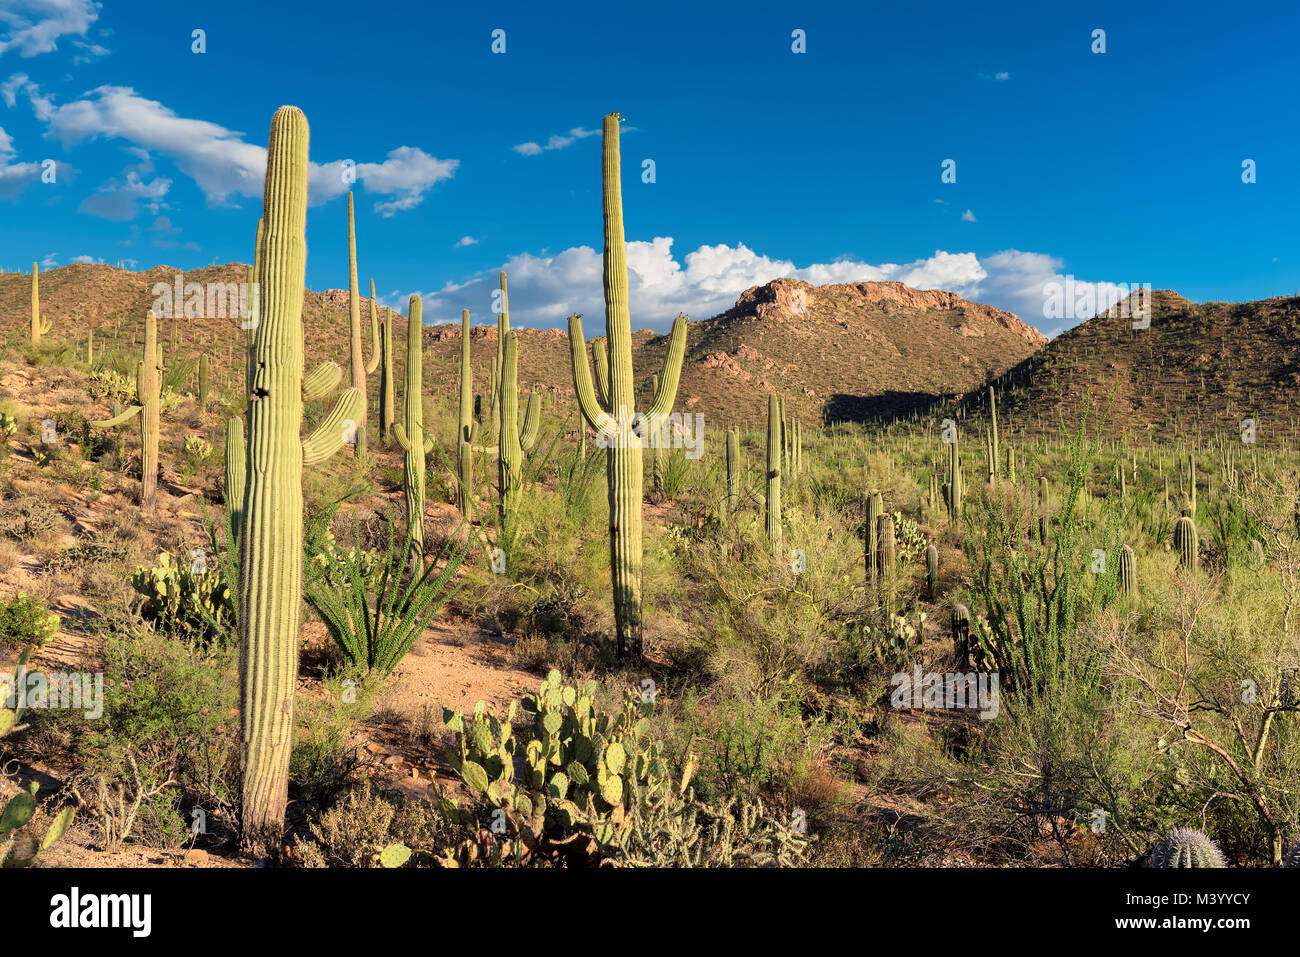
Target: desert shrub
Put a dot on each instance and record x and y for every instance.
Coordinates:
(24, 621)
(27, 517)
(354, 831)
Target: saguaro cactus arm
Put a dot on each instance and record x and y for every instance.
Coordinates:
(117, 420)
(321, 381)
(600, 359)
(593, 409)
(666, 394)
(333, 433)
(374, 333)
(532, 421)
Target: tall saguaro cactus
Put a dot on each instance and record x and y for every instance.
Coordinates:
(270, 538)
(387, 401)
(410, 435)
(733, 470)
(773, 504)
(39, 325)
(515, 439)
(466, 429)
(611, 413)
(148, 394)
(358, 366)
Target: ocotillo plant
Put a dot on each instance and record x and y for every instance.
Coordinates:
(148, 393)
(875, 505)
(515, 440)
(236, 475)
(358, 363)
(270, 537)
(410, 436)
(39, 324)
(773, 504)
(1187, 543)
(733, 469)
(615, 420)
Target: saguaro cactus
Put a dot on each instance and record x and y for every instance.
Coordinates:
(148, 393)
(1187, 543)
(1186, 847)
(270, 539)
(236, 475)
(931, 570)
(875, 506)
(387, 401)
(888, 562)
(39, 325)
(410, 436)
(615, 420)
(503, 330)
(960, 623)
(358, 364)
(466, 430)
(955, 483)
(656, 443)
(773, 504)
(1127, 571)
(204, 376)
(995, 459)
(514, 440)
(733, 469)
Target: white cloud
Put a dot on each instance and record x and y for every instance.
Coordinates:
(968, 217)
(33, 27)
(557, 142)
(218, 159)
(466, 241)
(1020, 282)
(121, 200)
(14, 177)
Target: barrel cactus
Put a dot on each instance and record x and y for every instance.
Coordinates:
(270, 538)
(1186, 847)
(615, 420)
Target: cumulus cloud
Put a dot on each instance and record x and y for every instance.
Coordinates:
(556, 142)
(1025, 282)
(466, 241)
(14, 177)
(219, 160)
(968, 217)
(121, 200)
(33, 27)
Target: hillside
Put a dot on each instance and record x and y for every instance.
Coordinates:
(1200, 369)
(844, 351)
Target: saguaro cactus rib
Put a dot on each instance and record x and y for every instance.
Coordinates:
(270, 537)
(613, 418)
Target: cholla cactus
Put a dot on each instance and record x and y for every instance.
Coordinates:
(1186, 847)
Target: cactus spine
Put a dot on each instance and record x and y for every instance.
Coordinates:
(270, 538)
(614, 419)
(358, 366)
(1186, 543)
(148, 393)
(514, 440)
(410, 436)
(773, 470)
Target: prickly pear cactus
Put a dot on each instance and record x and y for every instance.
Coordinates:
(15, 815)
(1186, 847)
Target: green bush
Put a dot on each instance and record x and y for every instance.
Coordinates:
(26, 621)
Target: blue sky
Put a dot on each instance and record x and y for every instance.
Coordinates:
(1115, 167)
